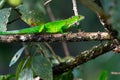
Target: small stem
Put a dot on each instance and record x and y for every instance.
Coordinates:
(103, 19)
(65, 48)
(95, 8)
(50, 13)
(75, 7)
(47, 2)
(26, 51)
(52, 51)
(14, 20)
(52, 17)
(17, 10)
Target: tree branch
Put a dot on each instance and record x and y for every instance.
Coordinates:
(71, 37)
(83, 57)
(102, 17)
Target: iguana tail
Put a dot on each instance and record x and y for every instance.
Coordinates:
(10, 32)
(37, 29)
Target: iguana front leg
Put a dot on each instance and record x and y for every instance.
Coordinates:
(41, 28)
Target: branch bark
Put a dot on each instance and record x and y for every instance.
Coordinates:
(83, 57)
(71, 37)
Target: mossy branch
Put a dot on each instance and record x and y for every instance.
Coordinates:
(83, 57)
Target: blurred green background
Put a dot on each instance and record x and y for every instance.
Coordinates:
(63, 9)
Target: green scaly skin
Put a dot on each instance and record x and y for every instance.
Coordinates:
(51, 27)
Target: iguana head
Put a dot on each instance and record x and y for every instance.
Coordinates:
(75, 19)
(71, 21)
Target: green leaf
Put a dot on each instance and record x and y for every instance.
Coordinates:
(42, 67)
(65, 76)
(48, 52)
(77, 72)
(32, 11)
(22, 65)
(103, 75)
(2, 2)
(16, 56)
(4, 15)
(7, 77)
(26, 74)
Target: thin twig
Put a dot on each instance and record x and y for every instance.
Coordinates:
(67, 53)
(103, 19)
(26, 51)
(52, 17)
(101, 14)
(14, 20)
(75, 7)
(50, 13)
(95, 8)
(65, 49)
(52, 52)
(47, 2)
(17, 10)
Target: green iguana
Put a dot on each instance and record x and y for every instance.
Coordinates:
(50, 27)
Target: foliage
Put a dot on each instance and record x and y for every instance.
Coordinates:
(32, 15)
(6, 77)
(65, 76)
(16, 56)
(38, 58)
(4, 15)
(103, 75)
(42, 67)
